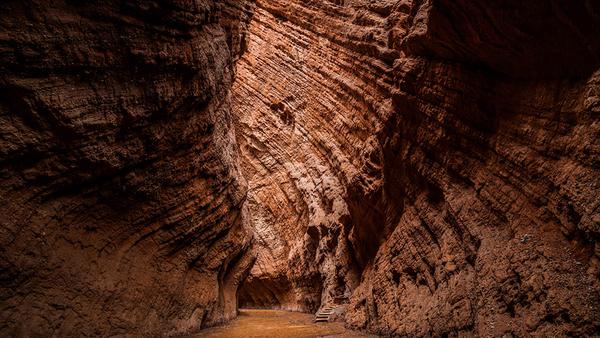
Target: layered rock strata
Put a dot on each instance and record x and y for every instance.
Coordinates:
(433, 164)
(120, 187)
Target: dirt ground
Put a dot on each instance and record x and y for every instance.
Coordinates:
(275, 323)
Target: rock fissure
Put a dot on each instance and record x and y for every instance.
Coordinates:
(412, 168)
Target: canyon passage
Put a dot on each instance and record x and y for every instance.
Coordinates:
(410, 168)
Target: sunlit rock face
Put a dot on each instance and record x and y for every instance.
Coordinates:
(308, 108)
(120, 187)
(434, 165)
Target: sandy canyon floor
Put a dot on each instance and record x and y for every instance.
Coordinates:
(276, 323)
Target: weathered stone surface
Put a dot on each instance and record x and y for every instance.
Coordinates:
(436, 160)
(432, 165)
(120, 186)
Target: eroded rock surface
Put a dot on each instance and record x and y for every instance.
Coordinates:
(120, 186)
(433, 164)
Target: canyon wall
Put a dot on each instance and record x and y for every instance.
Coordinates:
(430, 166)
(120, 187)
(433, 165)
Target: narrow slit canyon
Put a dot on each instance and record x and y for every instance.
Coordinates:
(409, 168)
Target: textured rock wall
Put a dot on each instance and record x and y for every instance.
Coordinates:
(119, 182)
(434, 163)
(308, 112)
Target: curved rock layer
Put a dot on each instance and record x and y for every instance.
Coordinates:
(120, 187)
(434, 165)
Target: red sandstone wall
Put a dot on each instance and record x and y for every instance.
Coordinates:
(436, 161)
(432, 163)
(120, 188)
